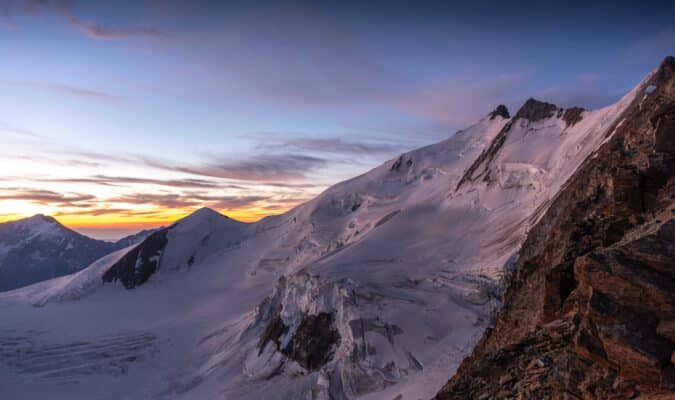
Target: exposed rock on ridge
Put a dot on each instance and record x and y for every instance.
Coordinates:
(312, 344)
(136, 267)
(590, 310)
(572, 115)
(532, 112)
(535, 110)
(501, 111)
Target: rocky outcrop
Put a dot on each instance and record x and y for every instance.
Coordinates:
(311, 345)
(535, 110)
(531, 112)
(501, 111)
(572, 115)
(136, 267)
(480, 167)
(401, 164)
(589, 312)
(300, 321)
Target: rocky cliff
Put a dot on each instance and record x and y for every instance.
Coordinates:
(590, 310)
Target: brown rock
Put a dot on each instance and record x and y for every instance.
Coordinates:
(535, 110)
(594, 290)
(505, 379)
(666, 329)
(501, 111)
(573, 115)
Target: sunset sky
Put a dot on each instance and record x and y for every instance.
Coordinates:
(117, 116)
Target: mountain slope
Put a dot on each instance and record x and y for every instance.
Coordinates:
(590, 312)
(39, 248)
(377, 288)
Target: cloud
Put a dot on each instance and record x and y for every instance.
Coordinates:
(47, 197)
(334, 146)
(291, 185)
(66, 11)
(78, 92)
(230, 202)
(102, 32)
(266, 167)
(55, 161)
(9, 128)
(188, 200)
(96, 212)
(257, 168)
(100, 157)
(68, 90)
(126, 180)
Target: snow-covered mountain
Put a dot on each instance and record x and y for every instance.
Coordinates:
(590, 311)
(376, 289)
(39, 248)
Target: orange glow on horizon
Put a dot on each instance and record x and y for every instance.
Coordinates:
(131, 221)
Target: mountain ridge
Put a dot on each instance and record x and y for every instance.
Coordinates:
(589, 311)
(39, 247)
(377, 288)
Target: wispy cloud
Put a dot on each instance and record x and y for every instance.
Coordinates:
(47, 197)
(259, 168)
(333, 146)
(77, 91)
(9, 128)
(270, 167)
(102, 32)
(188, 200)
(56, 161)
(126, 180)
(67, 90)
(97, 212)
(65, 9)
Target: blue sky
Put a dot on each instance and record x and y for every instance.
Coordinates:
(269, 102)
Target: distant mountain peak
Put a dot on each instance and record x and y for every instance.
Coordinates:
(201, 216)
(206, 212)
(41, 218)
(535, 110)
(39, 224)
(501, 111)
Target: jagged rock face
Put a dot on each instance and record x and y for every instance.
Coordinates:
(479, 168)
(533, 117)
(535, 110)
(590, 310)
(572, 115)
(402, 164)
(501, 111)
(136, 267)
(311, 345)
